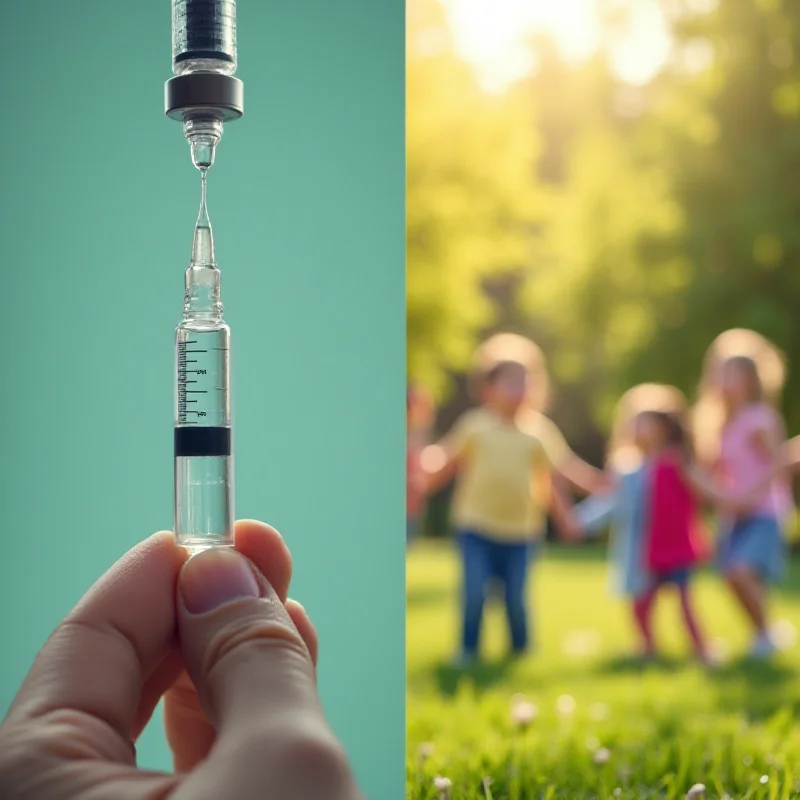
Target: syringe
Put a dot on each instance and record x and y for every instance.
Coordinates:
(203, 447)
(203, 94)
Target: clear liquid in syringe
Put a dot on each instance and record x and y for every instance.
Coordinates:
(203, 442)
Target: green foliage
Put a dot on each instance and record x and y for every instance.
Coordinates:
(470, 166)
(730, 143)
(676, 210)
(642, 221)
(664, 727)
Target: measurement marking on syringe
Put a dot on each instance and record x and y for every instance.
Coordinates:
(203, 367)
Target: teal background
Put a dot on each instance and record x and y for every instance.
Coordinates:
(307, 202)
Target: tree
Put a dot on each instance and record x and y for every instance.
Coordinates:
(674, 213)
(471, 198)
(612, 269)
(730, 137)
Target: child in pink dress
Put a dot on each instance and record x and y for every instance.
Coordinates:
(751, 453)
(674, 540)
(741, 437)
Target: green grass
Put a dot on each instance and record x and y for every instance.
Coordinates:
(665, 727)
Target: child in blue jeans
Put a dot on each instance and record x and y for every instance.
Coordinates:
(497, 452)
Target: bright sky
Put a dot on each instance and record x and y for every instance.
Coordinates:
(491, 34)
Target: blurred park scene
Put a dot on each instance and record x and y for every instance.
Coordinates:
(617, 181)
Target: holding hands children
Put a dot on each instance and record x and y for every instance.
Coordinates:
(660, 472)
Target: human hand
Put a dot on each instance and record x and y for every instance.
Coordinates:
(744, 504)
(735, 507)
(571, 534)
(233, 658)
(606, 482)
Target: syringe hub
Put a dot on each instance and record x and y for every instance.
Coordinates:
(197, 93)
(203, 133)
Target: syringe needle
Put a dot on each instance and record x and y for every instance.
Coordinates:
(203, 244)
(202, 217)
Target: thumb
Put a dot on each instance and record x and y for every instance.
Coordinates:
(254, 677)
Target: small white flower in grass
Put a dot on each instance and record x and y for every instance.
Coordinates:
(764, 779)
(425, 751)
(565, 704)
(783, 634)
(602, 756)
(523, 712)
(443, 786)
(697, 791)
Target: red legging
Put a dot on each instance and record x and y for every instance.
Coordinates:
(643, 611)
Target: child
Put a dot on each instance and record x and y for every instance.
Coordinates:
(709, 410)
(496, 452)
(654, 535)
(419, 410)
(674, 541)
(748, 455)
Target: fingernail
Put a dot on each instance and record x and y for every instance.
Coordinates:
(215, 577)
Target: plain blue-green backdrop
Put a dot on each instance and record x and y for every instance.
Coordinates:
(306, 198)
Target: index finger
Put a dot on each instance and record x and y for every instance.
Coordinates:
(96, 660)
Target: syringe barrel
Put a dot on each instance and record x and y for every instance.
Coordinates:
(204, 510)
(204, 92)
(204, 36)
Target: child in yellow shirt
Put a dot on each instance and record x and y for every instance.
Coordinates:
(497, 452)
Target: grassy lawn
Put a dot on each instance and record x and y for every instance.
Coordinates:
(603, 726)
